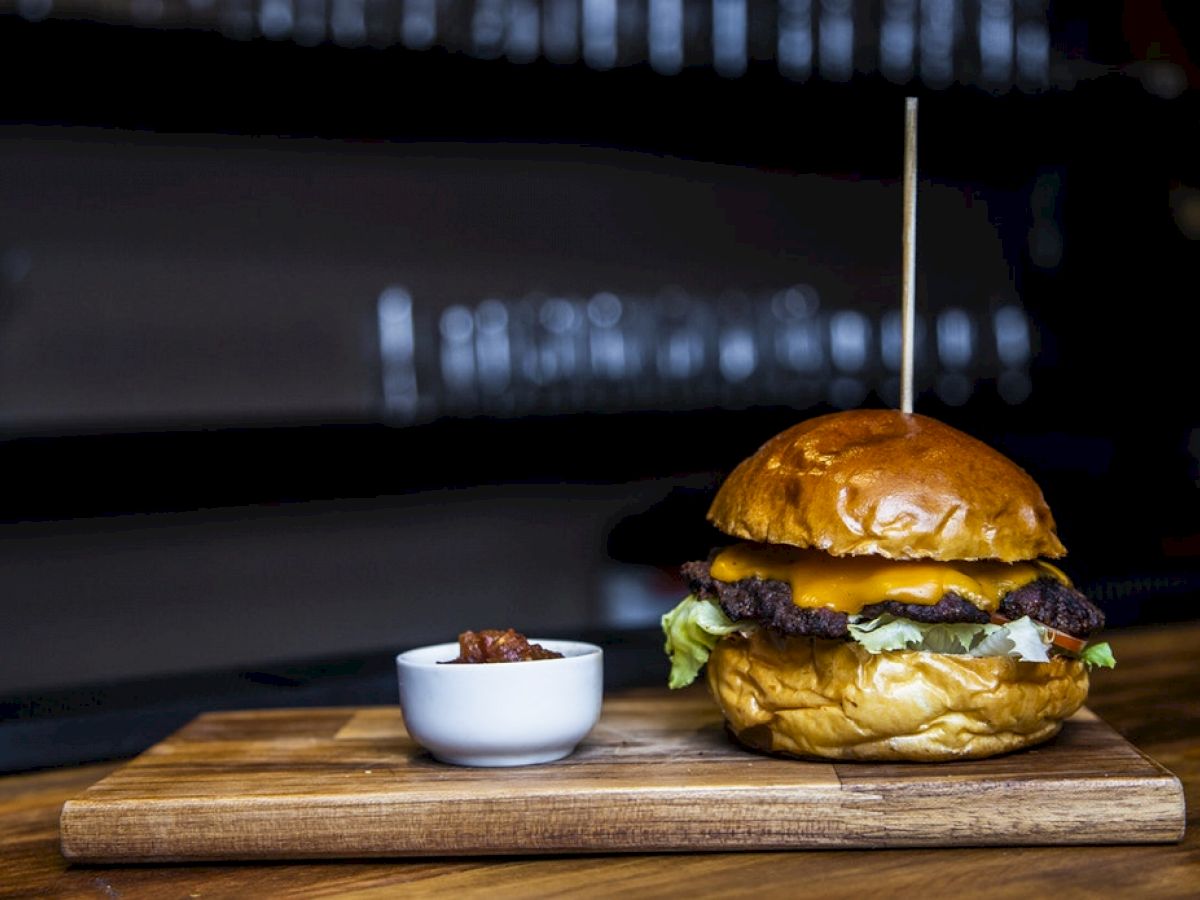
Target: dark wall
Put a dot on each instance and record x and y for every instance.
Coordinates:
(1081, 201)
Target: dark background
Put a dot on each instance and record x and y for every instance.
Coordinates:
(208, 499)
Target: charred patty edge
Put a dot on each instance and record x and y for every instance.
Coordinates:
(769, 603)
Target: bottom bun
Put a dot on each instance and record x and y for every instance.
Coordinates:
(834, 700)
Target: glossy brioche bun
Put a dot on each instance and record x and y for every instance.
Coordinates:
(884, 482)
(817, 698)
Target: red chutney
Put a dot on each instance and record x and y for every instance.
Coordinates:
(495, 646)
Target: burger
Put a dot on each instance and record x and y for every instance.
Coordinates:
(889, 597)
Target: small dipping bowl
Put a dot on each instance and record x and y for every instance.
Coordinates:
(505, 713)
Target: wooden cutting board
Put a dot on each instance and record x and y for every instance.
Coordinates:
(657, 773)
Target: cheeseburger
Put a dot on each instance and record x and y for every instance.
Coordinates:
(890, 598)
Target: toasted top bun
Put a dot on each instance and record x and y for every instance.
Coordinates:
(883, 482)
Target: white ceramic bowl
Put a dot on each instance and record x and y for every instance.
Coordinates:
(501, 714)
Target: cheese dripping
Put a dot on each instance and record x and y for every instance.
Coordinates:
(848, 583)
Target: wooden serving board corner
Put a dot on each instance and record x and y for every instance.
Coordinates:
(657, 774)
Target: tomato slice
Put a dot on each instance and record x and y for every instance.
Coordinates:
(1067, 642)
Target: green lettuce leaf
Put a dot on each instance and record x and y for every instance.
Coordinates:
(1021, 638)
(1098, 655)
(692, 629)
(887, 632)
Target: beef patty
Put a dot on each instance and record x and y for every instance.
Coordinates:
(769, 603)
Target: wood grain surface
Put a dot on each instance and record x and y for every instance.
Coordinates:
(657, 773)
(1153, 699)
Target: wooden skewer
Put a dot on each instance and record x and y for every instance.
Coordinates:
(909, 250)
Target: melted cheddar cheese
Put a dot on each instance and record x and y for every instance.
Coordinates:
(848, 583)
